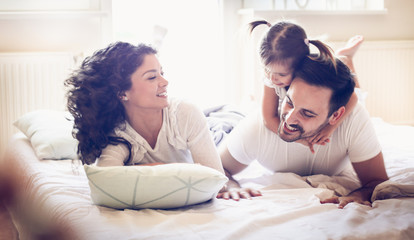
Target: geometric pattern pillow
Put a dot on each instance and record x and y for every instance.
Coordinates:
(161, 186)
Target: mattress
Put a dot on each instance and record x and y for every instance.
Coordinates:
(53, 201)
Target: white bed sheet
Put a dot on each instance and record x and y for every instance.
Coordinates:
(288, 209)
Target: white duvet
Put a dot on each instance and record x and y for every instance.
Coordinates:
(289, 208)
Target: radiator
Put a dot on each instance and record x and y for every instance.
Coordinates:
(385, 70)
(30, 81)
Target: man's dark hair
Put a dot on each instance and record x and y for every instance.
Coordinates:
(322, 72)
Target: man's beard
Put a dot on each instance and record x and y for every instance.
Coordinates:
(299, 132)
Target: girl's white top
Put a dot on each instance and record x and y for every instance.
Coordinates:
(280, 92)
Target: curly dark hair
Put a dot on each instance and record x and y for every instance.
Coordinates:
(94, 96)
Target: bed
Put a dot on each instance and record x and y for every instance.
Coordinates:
(53, 201)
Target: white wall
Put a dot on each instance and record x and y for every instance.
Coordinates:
(71, 27)
(55, 30)
(396, 24)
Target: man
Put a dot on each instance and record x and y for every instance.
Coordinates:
(316, 98)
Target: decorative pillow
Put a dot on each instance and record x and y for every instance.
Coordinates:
(50, 133)
(161, 186)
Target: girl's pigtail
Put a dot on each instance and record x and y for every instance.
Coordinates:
(254, 24)
(325, 52)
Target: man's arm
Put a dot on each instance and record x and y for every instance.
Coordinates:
(232, 167)
(370, 173)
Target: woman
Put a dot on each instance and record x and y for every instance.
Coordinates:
(123, 115)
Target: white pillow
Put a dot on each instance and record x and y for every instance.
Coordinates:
(161, 186)
(50, 133)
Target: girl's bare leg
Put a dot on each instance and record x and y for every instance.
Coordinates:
(347, 53)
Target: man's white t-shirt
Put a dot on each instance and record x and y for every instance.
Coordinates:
(353, 140)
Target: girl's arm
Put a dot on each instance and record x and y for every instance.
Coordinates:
(323, 137)
(270, 105)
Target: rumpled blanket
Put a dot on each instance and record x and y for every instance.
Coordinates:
(221, 120)
(399, 163)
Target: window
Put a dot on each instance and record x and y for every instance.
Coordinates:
(188, 36)
(45, 5)
(315, 5)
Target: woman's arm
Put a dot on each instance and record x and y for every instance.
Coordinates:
(205, 152)
(194, 129)
(270, 105)
(113, 155)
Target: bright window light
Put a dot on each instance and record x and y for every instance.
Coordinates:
(320, 5)
(188, 36)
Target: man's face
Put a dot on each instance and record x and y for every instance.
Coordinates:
(304, 111)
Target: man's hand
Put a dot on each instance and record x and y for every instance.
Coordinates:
(238, 193)
(370, 173)
(360, 195)
(233, 189)
(343, 201)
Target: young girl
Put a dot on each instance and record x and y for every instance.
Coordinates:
(281, 51)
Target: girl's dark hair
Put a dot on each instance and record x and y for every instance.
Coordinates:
(317, 71)
(287, 41)
(94, 96)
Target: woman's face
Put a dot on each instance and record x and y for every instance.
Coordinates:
(149, 87)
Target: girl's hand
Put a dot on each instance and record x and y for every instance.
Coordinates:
(323, 136)
(307, 143)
